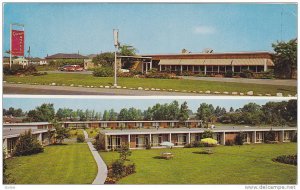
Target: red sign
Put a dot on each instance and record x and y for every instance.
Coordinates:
(17, 42)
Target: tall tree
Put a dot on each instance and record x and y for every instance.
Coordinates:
(183, 112)
(45, 112)
(205, 112)
(104, 59)
(285, 58)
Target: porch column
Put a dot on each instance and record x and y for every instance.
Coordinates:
(170, 137)
(248, 67)
(146, 68)
(204, 69)
(189, 140)
(39, 138)
(218, 68)
(256, 68)
(193, 68)
(254, 137)
(105, 142)
(150, 64)
(142, 67)
(159, 67)
(232, 68)
(265, 65)
(150, 140)
(223, 138)
(129, 140)
(281, 136)
(180, 68)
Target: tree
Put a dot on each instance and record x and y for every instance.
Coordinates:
(60, 132)
(285, 58)
(231, 109)
(105, 59)
(207, 134)
(45, 112)
(112, 115)
(205, 112)
(124, 152)
(173, 110)
(27, 145)
(183, 112)
(13, 112)
(105, 116)
(127, 50)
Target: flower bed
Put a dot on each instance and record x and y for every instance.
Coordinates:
(287, 159)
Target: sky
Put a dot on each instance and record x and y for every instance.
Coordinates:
(117, 104)
(151, 28)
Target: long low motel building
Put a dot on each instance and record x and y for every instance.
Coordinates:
(139, 138)
(209, 63)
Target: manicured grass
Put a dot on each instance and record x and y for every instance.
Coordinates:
(175, 84)
(247, 164)
(58, 164)
(46, 68)
(92, 132)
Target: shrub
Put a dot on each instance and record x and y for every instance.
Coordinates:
(229, 143)
(239, 139)
(103, 72)
(124, 151)
(27, 145)
(207, 134)
(161, 75)
(269, 136)
(267, 74)
(18, 69)
(148, 146)
(229, 74)
(129, 169)
(118, 168)
(99, 143)
(196, 144)
(80, 138)
(287, 159)
(246, 74)
(189, 145)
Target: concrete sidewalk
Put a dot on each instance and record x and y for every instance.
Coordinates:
(102, 168)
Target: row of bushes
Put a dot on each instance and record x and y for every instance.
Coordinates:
(287, 159)
(196, 144)
(20, 70)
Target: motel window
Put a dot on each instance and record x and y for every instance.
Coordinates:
(215, 68)
(181, 139)
(287, 136)
(178, 67)
(259, 137)
(201, 68)
(209, 68)
(197, 137)
(155, 124)
(114, 142)
(260, 69)
(228, 68)
(140, 141)
(245, 137)
(196, 68)
(139, 125)
(184, 68)
(121, 125)
(104, 125)
(11, 143)
(171, 124)
(237, 69)
(244, 68)
(222, 69)
(190, 68)
(156, 140)
(173, 68)
(252, 68)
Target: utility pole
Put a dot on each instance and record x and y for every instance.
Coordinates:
(116, 44)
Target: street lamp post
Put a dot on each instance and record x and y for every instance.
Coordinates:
(116, 44)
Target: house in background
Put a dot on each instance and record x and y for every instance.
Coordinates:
(20, 61)
(76, 58)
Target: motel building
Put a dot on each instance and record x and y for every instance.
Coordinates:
(205, 63)
(12, 131)
(138, 134)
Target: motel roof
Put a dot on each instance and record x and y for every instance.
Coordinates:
(66, 56)
(191, 130)
(11, 132)
(140, 121)
(25, 124)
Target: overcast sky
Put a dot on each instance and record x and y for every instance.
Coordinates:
(117, 104)
(151, 28)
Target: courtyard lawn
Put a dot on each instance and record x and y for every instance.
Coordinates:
(58, 164)
(92, 132)
(247, 164)
(175, 84)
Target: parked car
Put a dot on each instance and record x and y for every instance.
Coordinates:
(71, 68)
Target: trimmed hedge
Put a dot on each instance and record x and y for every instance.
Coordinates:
(287, 159)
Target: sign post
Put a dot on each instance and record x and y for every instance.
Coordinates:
(116, 44)
(17, 41)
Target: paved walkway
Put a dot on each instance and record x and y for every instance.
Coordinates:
(102, 168)
(286, 82)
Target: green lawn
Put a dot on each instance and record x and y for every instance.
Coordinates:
(92, 132)
(247, 164)
(175, 84)
(58, 164)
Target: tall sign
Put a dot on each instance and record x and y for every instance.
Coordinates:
(17, 43)
(116, 44)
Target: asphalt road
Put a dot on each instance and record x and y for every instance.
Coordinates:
(67, 90)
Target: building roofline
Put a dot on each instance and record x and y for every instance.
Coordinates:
(214, 53)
